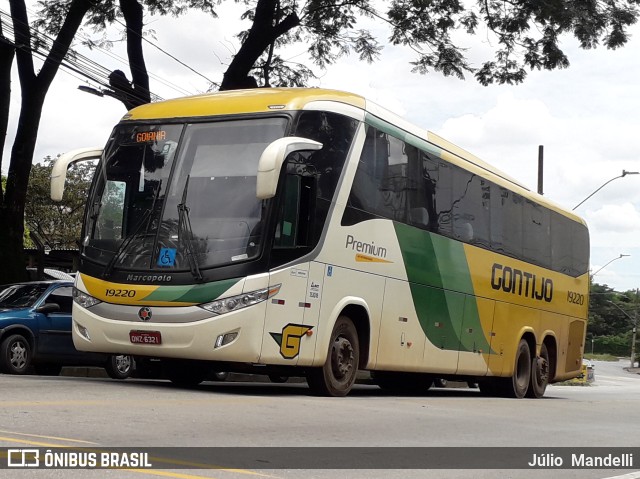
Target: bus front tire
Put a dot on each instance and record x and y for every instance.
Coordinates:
(337, 375)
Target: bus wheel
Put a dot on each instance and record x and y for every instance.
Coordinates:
(339, 372)
(519, 382)
(539, 374)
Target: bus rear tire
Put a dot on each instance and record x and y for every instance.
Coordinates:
(518, 385)
(337, 375)
(539, 374)
(515, 386)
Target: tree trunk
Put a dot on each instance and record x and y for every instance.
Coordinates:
(136, 92)
(12, 256)
(7, 53)
(34, 89)
(264, 31)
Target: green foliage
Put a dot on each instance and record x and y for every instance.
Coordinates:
(601, 357)
(527, 34)
(611, 318)
(58, 224)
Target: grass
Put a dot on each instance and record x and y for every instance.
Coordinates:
(601, 357)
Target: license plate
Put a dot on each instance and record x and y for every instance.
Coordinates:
(145, 337)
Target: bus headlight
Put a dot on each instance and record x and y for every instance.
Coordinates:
(83, 299)
(234, 303)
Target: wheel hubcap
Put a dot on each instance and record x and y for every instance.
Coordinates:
(342, 358)
(123, 363)
(18, 355)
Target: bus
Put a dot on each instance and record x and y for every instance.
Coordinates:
(313, 233)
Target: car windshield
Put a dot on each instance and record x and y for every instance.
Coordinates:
(21, 295)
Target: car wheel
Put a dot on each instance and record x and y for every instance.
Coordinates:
(119, 366)
(440, 383)
(15, 355)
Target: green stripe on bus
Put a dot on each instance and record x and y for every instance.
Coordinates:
(440, 282)
(199, 293)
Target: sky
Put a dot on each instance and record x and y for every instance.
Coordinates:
(587, 117)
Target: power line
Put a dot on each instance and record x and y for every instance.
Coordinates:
(124, 61)
(129, 30)
(72, 61)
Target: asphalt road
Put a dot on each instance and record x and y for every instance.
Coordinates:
(97, 413)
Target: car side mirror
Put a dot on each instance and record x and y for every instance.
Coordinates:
(47, 308)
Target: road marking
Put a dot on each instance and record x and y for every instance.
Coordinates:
(631, 475)
(31, 443)
(6, 404)
(155, 472)
(47, 437)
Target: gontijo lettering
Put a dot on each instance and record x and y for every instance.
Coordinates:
(522, 283)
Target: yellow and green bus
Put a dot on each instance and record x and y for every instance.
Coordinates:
(310, 232)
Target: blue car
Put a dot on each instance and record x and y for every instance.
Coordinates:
(35, 331)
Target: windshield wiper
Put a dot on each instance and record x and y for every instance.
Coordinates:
(184, 228)
(144, 222)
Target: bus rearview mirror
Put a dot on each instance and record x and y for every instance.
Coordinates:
(60, 167)
(272, 159)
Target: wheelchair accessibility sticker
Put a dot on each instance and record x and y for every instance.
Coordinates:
(290, 338)
(167, 257)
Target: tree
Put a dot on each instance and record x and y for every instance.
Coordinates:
(34, 87)
(58, 224)
(611, 320)
(526, 32)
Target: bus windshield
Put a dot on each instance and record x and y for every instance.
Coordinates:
(179, 196)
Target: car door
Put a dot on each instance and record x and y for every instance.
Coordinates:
(54, 338)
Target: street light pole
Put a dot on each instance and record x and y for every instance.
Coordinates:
(633, 330)
(609, 262)
(633, 344)
(624, 173)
